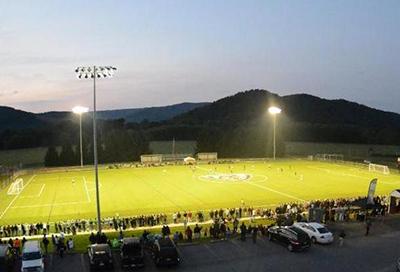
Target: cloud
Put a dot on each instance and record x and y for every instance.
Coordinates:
(7, 93)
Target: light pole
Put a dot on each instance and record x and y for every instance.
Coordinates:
(80, 110)
(274, 111)
(93, 73)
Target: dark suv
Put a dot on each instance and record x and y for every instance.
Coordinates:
(132, 254)
(100, 256)
(292, 237)
(164, 252)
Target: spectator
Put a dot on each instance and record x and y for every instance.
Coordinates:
(45, 242)
(368, 224)
(70, 244)
(243, 230)
(188, 233)
(17, 246)
(254, 234)
(92, 238)
(197, 231)
(342, 235)
(60, 248)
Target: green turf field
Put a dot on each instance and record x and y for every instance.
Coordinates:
(70, 194)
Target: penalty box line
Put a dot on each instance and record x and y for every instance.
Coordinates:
(277, 192)
(16, 197)
(86, 189)
(37, 195)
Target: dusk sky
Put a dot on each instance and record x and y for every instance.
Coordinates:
(174, 51)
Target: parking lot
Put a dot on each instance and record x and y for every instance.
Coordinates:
(377, 252)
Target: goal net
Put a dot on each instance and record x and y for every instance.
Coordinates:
(150, 159)
(329, 157)
(384, 169)
(16, 187)
(207, 156)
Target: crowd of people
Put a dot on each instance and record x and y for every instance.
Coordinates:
(223, 224)
(333, 210)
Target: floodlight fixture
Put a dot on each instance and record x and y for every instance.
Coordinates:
(274, 110)
(84, 72)
(80, 110)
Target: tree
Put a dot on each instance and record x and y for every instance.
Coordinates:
(51, 158)
(67, 156)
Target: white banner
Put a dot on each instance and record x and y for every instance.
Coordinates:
(371, 191)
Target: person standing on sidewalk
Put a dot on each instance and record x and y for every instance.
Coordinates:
(243, 231)
(342, 235)
(45, 242)
(254, 234)
(367, 226)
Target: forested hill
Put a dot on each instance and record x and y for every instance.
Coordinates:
(150, 113)
(11, 118)
(234, 126)
(253, 104)
(240, 124)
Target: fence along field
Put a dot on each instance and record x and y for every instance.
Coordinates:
(70, 194)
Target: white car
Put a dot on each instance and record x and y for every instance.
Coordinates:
(318, 233)
(32, 259)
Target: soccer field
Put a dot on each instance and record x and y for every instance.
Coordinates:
(48, 197)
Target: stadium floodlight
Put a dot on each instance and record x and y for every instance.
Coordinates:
(93, 72)
(274, 111)
(80, 110)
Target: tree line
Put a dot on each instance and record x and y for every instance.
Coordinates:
(115, 143)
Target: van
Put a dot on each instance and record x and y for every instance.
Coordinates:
(32, 259)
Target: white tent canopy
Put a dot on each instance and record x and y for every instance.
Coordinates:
(189, 160)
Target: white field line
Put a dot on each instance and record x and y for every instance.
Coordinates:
(275, 191)
(352, 175)
(37, 195)
(49, 205)
(86, 189)
(15, 198)
(41, 190)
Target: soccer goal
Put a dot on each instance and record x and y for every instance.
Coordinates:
(16, 187)
(207, 156)
(384, 169)
(329, 157)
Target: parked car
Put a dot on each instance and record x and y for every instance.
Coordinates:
(292, 237)
(32, 258)
(132, 253)
(100, 256)
(164, 252)
(318, 233)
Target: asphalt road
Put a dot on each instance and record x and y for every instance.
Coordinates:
(377, 252)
